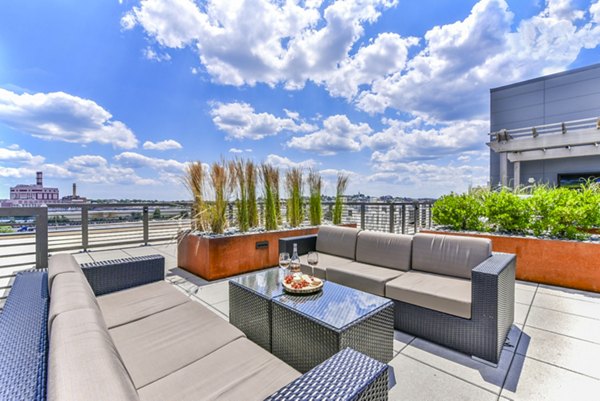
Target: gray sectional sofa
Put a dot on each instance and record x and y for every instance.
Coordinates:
(452, 290)
(117, 331)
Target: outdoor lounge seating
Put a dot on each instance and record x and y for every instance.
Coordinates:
(451, 290)
(117, 331)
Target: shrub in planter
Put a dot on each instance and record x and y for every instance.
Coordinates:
(458, 211)
(506, 211)
(564, 212)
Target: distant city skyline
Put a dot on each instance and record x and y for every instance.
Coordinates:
(119, 95)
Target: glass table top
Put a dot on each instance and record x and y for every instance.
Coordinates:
(266, 283)
(336, 306)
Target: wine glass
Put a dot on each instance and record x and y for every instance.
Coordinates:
(284, 261)
(313, 260)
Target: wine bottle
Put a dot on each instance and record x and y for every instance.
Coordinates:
(295, 261)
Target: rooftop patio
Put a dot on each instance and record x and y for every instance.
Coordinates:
(551, 353)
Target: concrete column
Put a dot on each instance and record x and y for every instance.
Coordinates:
(517, 174)
(503, 169)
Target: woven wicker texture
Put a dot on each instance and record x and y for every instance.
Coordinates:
(120, 274)
(23, 338)
(251, 314)
(349, 375)
(330, 322)
(492, 314)
(250, 304)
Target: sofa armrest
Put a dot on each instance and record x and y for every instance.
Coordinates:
(120, 274)
(348, 375)
(306, 244)
(494, 277)
(24, 338)
(493, 299)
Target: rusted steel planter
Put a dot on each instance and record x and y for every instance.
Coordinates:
(220, 257)
(571, 264)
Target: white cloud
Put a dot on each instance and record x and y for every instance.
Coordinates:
(259, 40)
(430, 178)
(236, 150)
(153, 55)
(240, 121)
(595, 12)
(387, 54)
(14, 154)
(408, 141)
(96, 169)
(449, 78)
(337, 135)
(284, 162)
(136, 160)
(162, 145)
(62, 117)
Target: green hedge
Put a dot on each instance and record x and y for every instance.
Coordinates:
(538, 210)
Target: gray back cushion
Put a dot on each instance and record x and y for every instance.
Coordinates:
(83, 363)
(451, 255)
(338, 241)
(70, 291)
(384, 249)
(61, 263)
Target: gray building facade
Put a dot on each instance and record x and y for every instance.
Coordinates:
(546, 129)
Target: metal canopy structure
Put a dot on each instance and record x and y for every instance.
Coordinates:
(551, 141)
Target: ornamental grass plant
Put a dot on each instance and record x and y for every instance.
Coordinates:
(342, 185)
(293, 184)
(270, 182)
(315, 184)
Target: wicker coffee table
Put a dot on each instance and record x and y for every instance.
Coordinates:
(250, 304)
(307, 330)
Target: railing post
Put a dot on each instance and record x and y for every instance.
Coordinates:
(417, 217)
(363, 208)
(84, 227)
(41, 238)
(145, 223)
(391, 217)
(403, 222)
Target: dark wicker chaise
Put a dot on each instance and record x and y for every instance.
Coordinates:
(117, 331)
(451, 290)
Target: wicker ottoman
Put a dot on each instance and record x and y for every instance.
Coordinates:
(306, 330)
(250, 304)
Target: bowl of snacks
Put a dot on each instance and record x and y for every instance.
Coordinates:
(298, 283)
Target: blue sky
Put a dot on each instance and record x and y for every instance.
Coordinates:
(118, 95)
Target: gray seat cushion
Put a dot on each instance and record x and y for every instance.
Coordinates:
(61, 263)
(325, 261)
(362, 276)
(451, 255)
(70, 291)
(384, 249)
(241, 370)
(445, 294)
(83, 363)
(160, 344)
(126, 306)
(338, 241)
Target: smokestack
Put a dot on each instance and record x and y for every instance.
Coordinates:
(74, 190)
(39, 180)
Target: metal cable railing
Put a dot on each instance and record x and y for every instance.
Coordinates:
(73, 227)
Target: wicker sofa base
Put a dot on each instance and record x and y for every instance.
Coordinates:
(454, 332)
